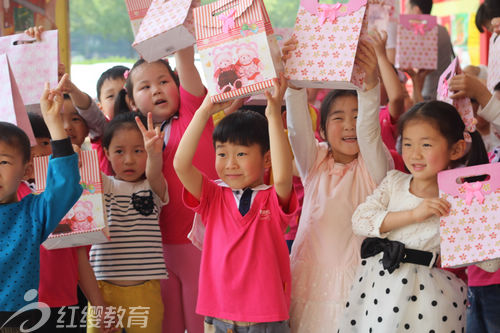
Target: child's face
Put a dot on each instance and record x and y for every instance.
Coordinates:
(494, 25)
(241, 166)
(127, 154)
(341, 129)
(12, 171)
(43, 148)
(425, 150)
(74, 125)
(109, 90)
(155, 91)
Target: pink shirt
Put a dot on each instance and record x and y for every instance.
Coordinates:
(104, 163)
(176, 220)
(388, 128)
(245, 267)
(479, 278)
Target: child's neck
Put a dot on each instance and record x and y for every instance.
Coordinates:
(424, 188)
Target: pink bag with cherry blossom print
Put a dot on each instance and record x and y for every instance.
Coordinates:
(417, 45)
(471, 232)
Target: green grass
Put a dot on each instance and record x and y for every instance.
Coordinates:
(80, 61)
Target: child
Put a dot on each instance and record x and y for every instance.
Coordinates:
(397, 286)
(110, 83)
(337, 175)
(27, 223)
(245, 272)
(154, 87)
(129, 267)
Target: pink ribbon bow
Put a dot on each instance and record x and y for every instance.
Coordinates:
(473, 190)
(227, 20)
(328, 12)
(418, 28)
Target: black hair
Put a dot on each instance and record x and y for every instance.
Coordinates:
(447, 120)
(243, 127)
(497, 87)
(113, 73)
(15, 137)
(327, 103)
(121, 121)
(487, 11)
(129, 85)
(38, 125)
(121, 105)
(424, 5)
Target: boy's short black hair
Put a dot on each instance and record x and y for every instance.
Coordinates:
(424, 5)
(115, 72)
(487, 11)
(15, 137)
(38, 125)
(243, 127)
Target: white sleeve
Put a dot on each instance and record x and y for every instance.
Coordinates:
(491, 112)
(369, 215)
(95, 119)
(375, 154)
(300, 130)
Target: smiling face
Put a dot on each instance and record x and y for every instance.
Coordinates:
(155, 91)
(127, 154)
(425, 150)
(241, 166)
(12, 171)
(73, 123)
(109, 90)
(341, 129)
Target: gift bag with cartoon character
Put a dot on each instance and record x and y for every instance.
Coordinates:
(85, 223)
(470, 233)
(239, 52)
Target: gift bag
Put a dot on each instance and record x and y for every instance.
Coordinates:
(166, 28)
(327, 37)
(137, 9)
(379, 13)
(238, 49)
(417, 45)
(12, 109)
(86, 221)
(33, 63)
(471, 232)
(493, 63)
(463, 105)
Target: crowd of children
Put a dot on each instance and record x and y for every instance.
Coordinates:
(361, 181)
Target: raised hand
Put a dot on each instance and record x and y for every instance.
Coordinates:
(378, 41)
(288, 47)
(35, 32)
(153, 137)
(51, 104)
(275, 100)
(366, 58)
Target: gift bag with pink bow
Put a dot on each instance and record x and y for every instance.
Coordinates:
(471, 232)
(86, 222)
(463, 105)
(327, 37)
(166, 28)
(137, 9)
(239, 52)
(417, 44)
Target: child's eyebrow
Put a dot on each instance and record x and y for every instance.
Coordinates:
(7, 155)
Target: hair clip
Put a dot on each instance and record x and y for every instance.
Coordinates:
(126, 73)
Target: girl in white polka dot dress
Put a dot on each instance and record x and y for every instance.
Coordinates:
(398, 287)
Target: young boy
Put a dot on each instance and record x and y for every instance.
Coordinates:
(245, 271)
(25, 224)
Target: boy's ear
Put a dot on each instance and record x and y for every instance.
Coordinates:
(322, 134)
(28, 171)
(267, 159)
(458, 150)
(130, 103)
(106, 152)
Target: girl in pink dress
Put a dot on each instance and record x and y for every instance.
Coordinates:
(337, 174)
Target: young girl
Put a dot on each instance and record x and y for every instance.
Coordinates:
(154, 87)
(337, 175)
(129, 267)
(398, 287)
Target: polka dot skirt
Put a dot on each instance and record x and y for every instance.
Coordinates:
(413, 298)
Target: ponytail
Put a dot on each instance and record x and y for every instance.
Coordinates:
(121, 105)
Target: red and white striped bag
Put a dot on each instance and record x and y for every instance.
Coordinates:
(239, 52)
(137, 9)
(86, 221)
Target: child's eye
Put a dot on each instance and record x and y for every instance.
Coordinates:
(75, 119)
(241, 154)
(118, 151)
(45, 143)
(406, 145)
(4, 162)
(163, 82)
(144, 87)
(139, 150)
(427, 145)
(110, 97)
(221, 155)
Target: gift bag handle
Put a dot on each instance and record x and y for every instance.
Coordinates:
(313, 5)
(447, 179)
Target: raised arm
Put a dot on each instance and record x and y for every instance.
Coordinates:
(281, 158)
(189, 77)
(373, 150)
(153, 142)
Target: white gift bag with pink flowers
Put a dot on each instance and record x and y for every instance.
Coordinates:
(327, 37)
(417, 45)
(471, 232)
(166, 28)
(86, 222)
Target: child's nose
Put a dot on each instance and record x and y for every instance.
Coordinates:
(231, 163)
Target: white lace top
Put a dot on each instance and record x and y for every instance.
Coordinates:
(393, 195)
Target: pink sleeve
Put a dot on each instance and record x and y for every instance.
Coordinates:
(208, 190)
(289, 213)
